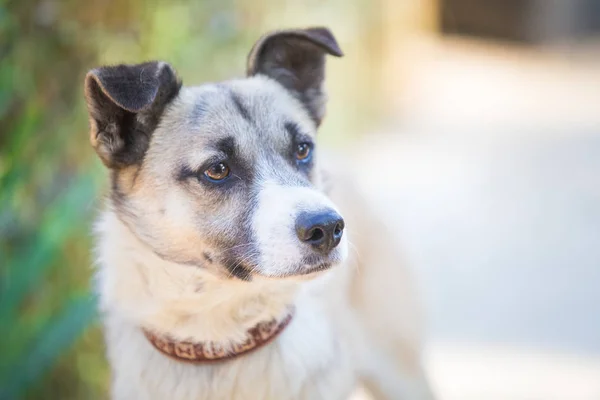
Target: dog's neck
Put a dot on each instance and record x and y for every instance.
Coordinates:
(182, 301)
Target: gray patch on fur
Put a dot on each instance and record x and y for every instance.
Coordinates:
(240, 107)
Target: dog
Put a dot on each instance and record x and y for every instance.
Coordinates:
(225, 268)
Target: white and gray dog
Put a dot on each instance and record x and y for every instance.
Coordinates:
(223, 262)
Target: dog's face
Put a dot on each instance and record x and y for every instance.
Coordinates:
(223, 176)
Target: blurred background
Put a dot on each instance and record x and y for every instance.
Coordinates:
(481, 116)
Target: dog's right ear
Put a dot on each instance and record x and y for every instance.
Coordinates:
(125, 103)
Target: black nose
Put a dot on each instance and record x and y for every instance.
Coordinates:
(323, 230)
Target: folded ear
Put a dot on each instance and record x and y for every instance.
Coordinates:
(296, 59)
(125, 103)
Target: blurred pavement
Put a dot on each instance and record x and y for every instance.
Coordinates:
(491, 176)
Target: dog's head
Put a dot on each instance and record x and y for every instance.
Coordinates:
(223, 176)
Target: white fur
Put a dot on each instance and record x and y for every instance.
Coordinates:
(274, 227)
(322, 354)
(309, 360)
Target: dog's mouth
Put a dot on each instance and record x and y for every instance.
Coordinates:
(316, 268)
(307, 267)
(310, 267)
(302, 271)
(314, 264)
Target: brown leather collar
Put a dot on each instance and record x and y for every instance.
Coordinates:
(208, 352)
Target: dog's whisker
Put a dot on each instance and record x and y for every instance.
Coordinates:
(355, 249)
(238, 246)
(241, 261)
(358, 258)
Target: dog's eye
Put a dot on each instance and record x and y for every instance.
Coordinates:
(217, 172)
(303, 151)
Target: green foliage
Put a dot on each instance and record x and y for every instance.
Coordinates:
(46, 189)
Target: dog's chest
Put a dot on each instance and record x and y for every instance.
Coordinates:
(309, 360)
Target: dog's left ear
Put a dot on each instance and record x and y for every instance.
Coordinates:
(296, 59)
